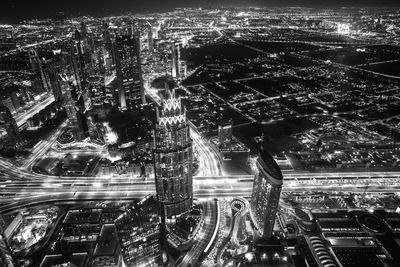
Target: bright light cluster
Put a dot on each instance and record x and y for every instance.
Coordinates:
(343, 28)
(170, 120)
(172, 104)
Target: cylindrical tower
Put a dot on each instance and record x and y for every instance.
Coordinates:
(173, 159)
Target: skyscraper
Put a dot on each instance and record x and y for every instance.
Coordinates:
(81, 59)
(173, 159)
(75, 115)
(40, 79)
(55, 83)
(175, 60)
(267, 187)
(225, 132)
(129, 71)
(11, 127)
(6, 256)
(139, 234)
(154, 31)
(109, 52)
(107, 37)
(150, 40)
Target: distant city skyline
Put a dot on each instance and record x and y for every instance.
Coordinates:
(13, 11)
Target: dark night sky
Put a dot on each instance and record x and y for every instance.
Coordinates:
(16, 10)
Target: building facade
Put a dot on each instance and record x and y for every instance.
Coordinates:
(55, 83)
(108, 251)
(129, 71)
(225, 132)
(40, 81)
(175, 60)
(173, 157)
(10, 125)
(77, 119)
(139, 234)
(6, 255)
(267, 188)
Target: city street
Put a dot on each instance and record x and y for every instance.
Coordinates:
(205, 236)
(22, 117)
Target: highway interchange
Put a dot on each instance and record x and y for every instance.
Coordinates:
(51, 188)
(20, 187)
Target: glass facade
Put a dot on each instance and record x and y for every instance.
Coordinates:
(173, 160)
(75, 117)
(128, 67)
(139, 233)
(267, 187)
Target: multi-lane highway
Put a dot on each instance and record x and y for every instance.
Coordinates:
(206, 233)
(21, 118)
(209, 161)
(86, 188)
(44, 146)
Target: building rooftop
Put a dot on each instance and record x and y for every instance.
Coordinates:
(108, 241)
(76, 259)
(269, 164)
(82, 216)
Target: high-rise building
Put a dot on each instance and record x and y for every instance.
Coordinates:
(15, 100)
(75, 114)
(11, 127)
(55, 83)
(40, 80)
(7, 102)
(107, 252)
(83, 29)
(106, 37)
(139, 234)
(154, 31)
(6, 256)
(175, 60)
(267, 187)
(77, 65)
(81, 59)
(225, 132)
(150, 40)
(173, 159)
(129, 71)
(109, 47)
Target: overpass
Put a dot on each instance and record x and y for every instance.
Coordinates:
(22, 193)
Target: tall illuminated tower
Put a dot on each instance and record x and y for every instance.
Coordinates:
(75, 115)
(139, 233)
(173, 159)
(81, 60)
(175, 60)
(40, 81)
(129, 71)
(55, 83)
(10, 125)
(267, 187)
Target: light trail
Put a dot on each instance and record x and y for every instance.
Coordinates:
(44, 146)
(22, 118)
(209, 164)
(15, 190)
